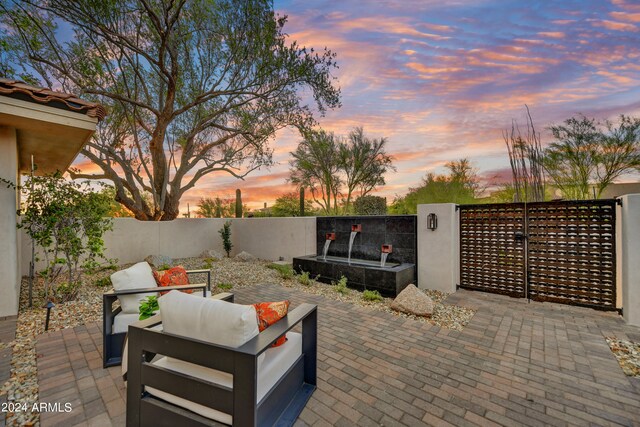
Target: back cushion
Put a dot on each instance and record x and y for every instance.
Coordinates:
(205, 319)
(138, 276)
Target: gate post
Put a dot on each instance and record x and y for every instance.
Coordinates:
(630, 245)
(439, 249)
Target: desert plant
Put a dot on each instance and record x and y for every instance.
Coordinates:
(148, 307)
(373, 296)
(65, 291)
(285, 270)
(104, 282)
(208, 263)
(225, 233)
(238, 203)
(66, 220)
(224, 286)
(341, 286)
(304, 278)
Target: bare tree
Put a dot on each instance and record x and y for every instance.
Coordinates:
(192, 87)
(526, 159)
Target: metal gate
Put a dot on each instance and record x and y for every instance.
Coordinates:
(548, 251)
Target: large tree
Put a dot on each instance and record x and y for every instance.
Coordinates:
(364, 162)
(192, 87)
(316, 165)
(334, 168)
(587, 154)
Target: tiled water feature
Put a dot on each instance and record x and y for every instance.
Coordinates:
(372, 252)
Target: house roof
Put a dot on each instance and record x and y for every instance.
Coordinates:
(20, 90)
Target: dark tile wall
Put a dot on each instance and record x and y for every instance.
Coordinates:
(388, 281)
(399, 231)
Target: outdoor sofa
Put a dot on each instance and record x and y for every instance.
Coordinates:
(130, 287)
(202, 362)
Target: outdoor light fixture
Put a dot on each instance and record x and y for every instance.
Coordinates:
(49, 306)
(432, 221)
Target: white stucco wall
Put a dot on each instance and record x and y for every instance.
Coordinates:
(630, 257)
(266, 238)
(9, 267)
(438, 250)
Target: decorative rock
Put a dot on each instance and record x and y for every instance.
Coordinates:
(244, 257)
(413, 301)
(212, 254)
(159, 260)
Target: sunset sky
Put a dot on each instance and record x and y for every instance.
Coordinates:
(442, 79)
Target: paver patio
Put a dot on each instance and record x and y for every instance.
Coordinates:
(515, 364)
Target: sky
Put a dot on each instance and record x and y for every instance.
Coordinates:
(441, 79)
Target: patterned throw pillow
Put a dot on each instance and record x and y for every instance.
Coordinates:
(269, 313)
(172, 277)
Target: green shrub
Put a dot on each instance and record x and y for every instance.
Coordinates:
(370, 205)
(304, 278)
(341, 286)
(148, 307)
(105, 282)
(285, 270)
(66, 291)
(224, 286)
(373, 296)
(164, 267)
(208, 263)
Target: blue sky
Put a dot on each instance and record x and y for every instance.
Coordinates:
(442, 79)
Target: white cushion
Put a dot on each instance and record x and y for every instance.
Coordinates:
(138, 276)
(276, 362)
(215, 321)
(122, 321)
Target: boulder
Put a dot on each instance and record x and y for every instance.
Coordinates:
(413, 301)
(212, 254)
(159, 260)
(244, 257)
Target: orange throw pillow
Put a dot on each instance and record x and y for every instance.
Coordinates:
(269, 313)
(172, 277)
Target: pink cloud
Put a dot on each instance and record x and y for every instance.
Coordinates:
(614, 25)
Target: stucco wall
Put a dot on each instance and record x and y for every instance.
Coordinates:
(9, 266)
(266, 238)
(438, 250)
(630, 255)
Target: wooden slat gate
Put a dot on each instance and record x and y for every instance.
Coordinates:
(549, 251)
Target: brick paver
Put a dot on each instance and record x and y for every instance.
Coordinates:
(516, 363)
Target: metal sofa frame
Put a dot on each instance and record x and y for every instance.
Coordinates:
(112, 344)
(280, 406)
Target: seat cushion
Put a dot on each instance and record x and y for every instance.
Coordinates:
(138, 276)
(214, 321)
(276, 363)
(122, 321)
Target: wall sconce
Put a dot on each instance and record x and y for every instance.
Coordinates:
(432, 221)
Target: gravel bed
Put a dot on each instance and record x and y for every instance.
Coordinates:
(628, 355)
(22, 385)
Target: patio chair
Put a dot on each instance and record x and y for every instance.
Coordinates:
(131, 286)
(209, 366)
